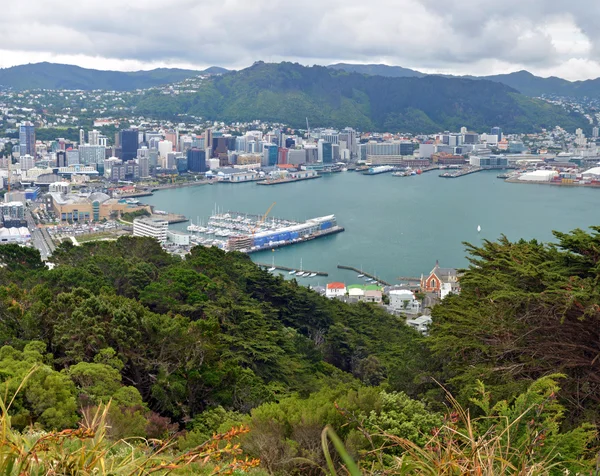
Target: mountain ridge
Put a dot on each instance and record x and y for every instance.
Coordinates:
(290, 92)
(47, 75)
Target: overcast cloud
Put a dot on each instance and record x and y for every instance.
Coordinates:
(546, 37)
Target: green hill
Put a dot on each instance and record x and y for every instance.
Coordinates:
(290, 93)
(63, 76)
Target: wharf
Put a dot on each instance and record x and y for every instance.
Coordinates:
(430, 168)
(285, 268)
(461, 172)
(408, 279)
(172, 218)
(356, 270)
(330, 231)
(286, 180)
(136, 195)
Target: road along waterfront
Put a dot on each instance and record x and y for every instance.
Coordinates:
(394, 227)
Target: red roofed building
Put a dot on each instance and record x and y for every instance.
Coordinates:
(335, 290)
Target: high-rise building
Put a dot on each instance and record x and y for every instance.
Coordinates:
(208, 138)
(91, 154)
(165, 147)
(325, 152)
(196, 159)
(497, 131)
(144, 163)
(27, 139)
(81, 137)
(270, 155)
(61, 158)
(26, 162)
(129, 144)
(152, 227)
(595, 132)
(94, 137)
(72, 156)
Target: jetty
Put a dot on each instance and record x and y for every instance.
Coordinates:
(285, 268)
(172, 218)
(358, 271)
(286, 180)
(461, 172)
(408, 279)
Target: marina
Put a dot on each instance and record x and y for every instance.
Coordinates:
(235, 231)
(292, 271)
(395, 230)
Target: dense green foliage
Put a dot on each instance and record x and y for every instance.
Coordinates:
(63, 76)
(180, 337)
(523, 81)
(290, 93)
(526, 310)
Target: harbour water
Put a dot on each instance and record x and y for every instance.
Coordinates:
(395, 226)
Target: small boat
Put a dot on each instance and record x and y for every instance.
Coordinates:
(300, 274)
(272, 268)
(312, 275)
(478, 228)
(293, 271)
(361, 276)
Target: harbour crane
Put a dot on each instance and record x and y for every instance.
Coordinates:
(262, 219)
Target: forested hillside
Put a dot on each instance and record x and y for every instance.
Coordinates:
(182, 349)
(290, 93)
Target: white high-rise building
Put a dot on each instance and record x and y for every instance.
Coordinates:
(81, 137)
(165, 147)
(26, 162)
(144, 163)
(152, 227)
(595, 132)
(94, 137)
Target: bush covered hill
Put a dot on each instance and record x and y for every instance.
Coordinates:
(182, 349)
(523, 81)
(63, 76)
(290, 93)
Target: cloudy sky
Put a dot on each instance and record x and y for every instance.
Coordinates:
(546, 37)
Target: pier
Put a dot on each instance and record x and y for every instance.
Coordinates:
(172, 218)
(285, 268)
(461, 172)
(408, 279)
(358, 271)
(286, 180)
(330, 231)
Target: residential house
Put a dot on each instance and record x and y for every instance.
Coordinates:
(335, 290)
(403, 300)
(420, 323)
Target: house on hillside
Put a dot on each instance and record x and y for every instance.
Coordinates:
(368, 293)
(335, 290)
(440, 278)
(404, 300)
(420, 324)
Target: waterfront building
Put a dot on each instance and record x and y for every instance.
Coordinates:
(325, 152)
(390, 148)
(152, 227)
(297, 156)
(27, 139)
(178, 238)
(335, 290)
(270, 155)
(165, 147)
(87, 207)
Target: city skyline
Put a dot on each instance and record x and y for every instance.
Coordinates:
(545, 38)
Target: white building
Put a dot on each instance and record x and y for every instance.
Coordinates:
(94, 137)
(165, 147)
(335, 290)
(403, 300)
(178, 238)
(420, 323)
(538, 176)
(14, 235)
(90, 154)
(60, 187)
(152, 227)
(26, 162)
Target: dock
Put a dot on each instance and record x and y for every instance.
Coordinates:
(286, 180)
(358, 271)
(172, 218)
(330, 231)
(461, 172)
(285, 268)
(408, 279)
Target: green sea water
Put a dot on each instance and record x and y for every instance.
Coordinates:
(395, 226)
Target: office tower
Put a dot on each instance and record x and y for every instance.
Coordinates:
(27, 139)
(164, 148)
(91, 154)
(81, 137)
(61, 158)
(497, 131)
(270, 155)
(144, 163)
(94, 137)
(72, 156)
(595, 132)
(129, 144)
(196, 159)
(325, 152)
(26, 162)
(208, 138)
